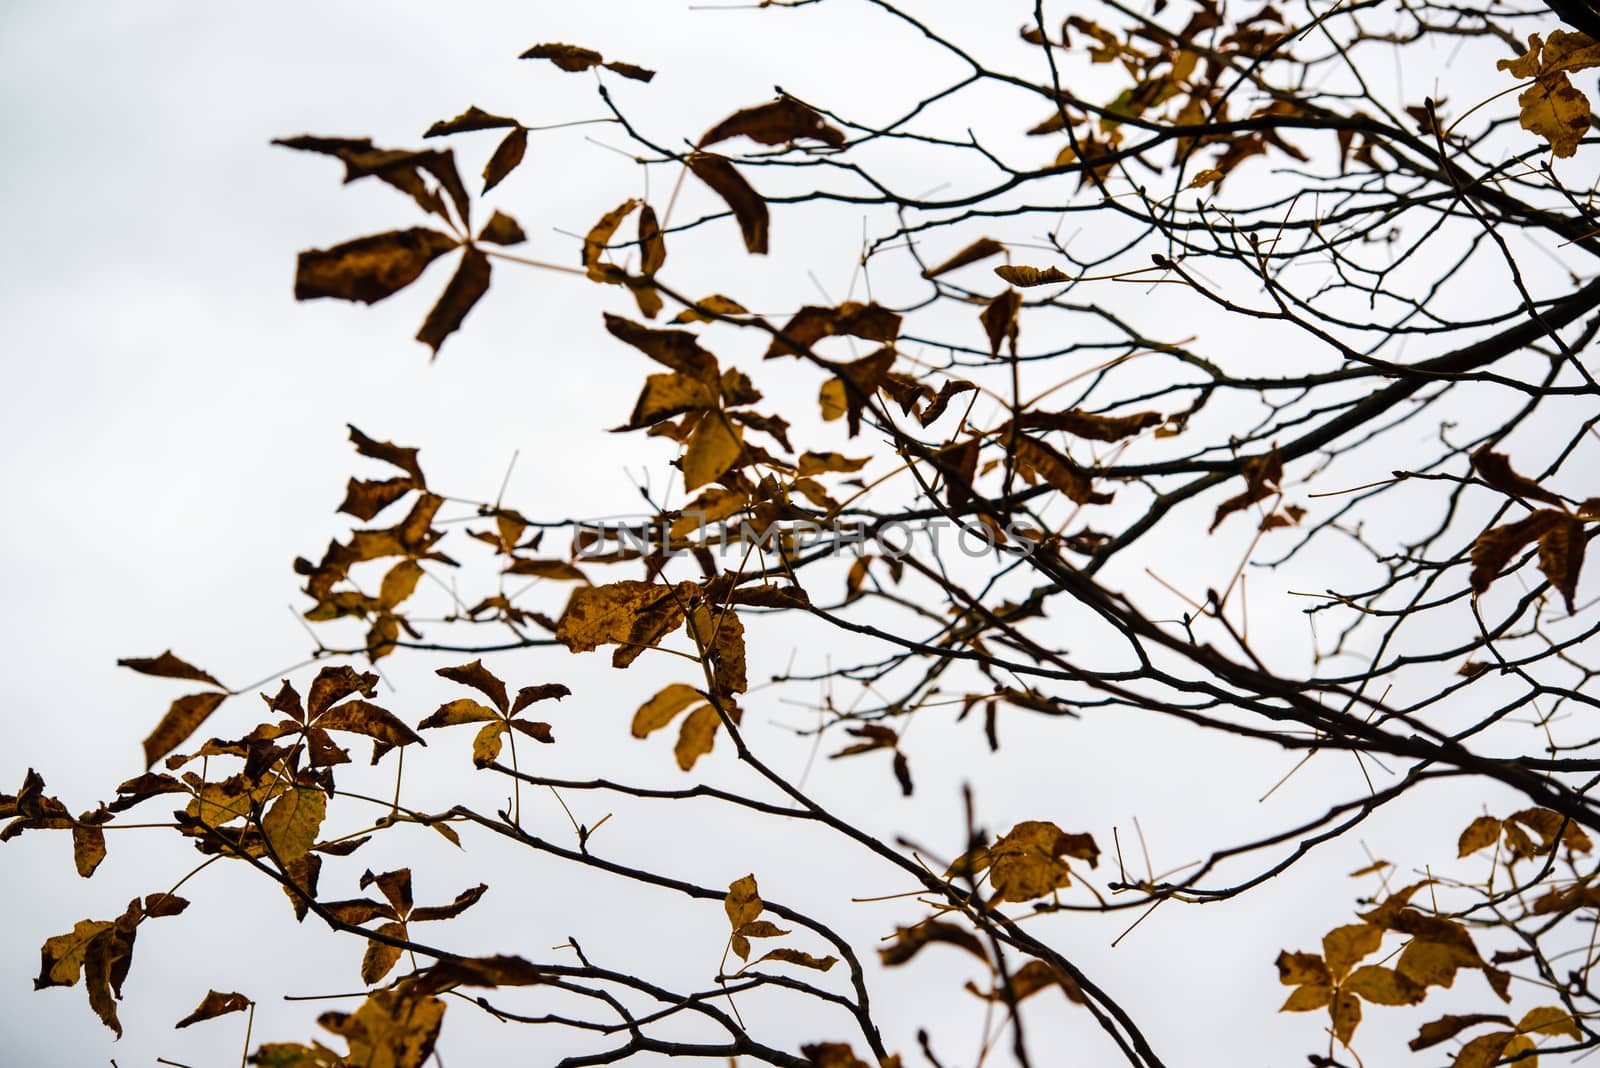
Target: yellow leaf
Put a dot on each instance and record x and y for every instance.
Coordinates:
(833, 400)
(1481, 832)
(292, 823)
(696, 736)
(1298, 969)
(1383, 986)
(663, 708)
(1557, 111)
(665, 396)
(1342, 947)
(1209, 176)
(1550, 1020)
(743, 902)
(380, 957)
(486, 746)
(1346, 1013)
(1308, 998)
(1435, 963)
(61, 957)
(713, 448)
(1484, 1050)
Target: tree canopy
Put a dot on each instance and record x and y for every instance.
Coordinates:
(1194, 389)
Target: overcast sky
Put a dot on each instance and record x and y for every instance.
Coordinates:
(175, 436)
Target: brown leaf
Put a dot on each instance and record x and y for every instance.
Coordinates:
(506, 157)
(1495, 469)
(472, 119)
(677, 349)
(183, 718)
(748, 207)
(543, 692)
(633, 614)
(952, 388)
(403, 458)
(88, 848)
(380, 957)
(364, 499)
(908, 941)
(464, 900)
(1495, 547)
(168, 666)
(669, 396)
(812, 323)
(999, 318)
(1561, 550)
(1263, 476)
(1055, 468)
(795, 956)
(1448, 1027)
(980, 249)
(1026, 277)
(502, 229)
(573, 58)
(599, 237)
(779, 122)
(832, 1055)
(466, 287)
(654, 249)
(479, 678)
(369, 269)
(1089, 425)
(704, 311)
(214, 1005)
(559, 570)
(815, 463)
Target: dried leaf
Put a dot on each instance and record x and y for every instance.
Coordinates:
(780, 122)
(999, 318)
(1495, 469)
(479, 678)
(1026, 277)
(663, 708)
(293, 821)
(714, 447)
(909, 941)
(466, 287)
(214, 1005)
(1481, 832)
(502, 229)
(168, 666)
(381, 957)
(506, 157)
(183, 718)
(748, 207)
(980, 249)
(796, 957)
(472, 119)
(369, 268)
(1448, 1027)
(696, 736)
(1495, 547)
